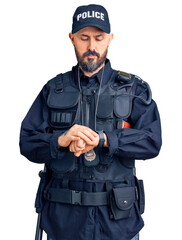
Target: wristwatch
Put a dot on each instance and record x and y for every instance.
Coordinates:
(101, 138)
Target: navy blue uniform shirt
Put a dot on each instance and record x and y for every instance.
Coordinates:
(141, 141)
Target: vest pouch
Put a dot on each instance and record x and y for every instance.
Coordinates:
(122, 106)
(121, 202)
(63, 108)
(141, 195)
(105, 113)
(39, 201)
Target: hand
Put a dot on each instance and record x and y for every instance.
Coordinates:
(76, 133)
(79, 147)
(76, 146)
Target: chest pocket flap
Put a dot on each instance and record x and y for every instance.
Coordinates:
(63, 99)
(63, 107)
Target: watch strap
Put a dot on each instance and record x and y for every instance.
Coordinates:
(101, 138)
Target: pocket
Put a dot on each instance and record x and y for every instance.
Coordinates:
(105, 113)
(121, 202)
(111, 109)
(141, 199)
(63, 108)
(122, 106)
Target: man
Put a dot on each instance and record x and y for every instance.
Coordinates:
(89, 126)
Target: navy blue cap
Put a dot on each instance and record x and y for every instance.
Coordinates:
(91, 16)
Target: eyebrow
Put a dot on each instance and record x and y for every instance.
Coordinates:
(99, 35)
(84, 35)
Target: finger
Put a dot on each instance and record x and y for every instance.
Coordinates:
(77, 154)
(91, 131)
(80, 143)
(74, 138)
(86, 131)
(76, 126)
(73, 147)
(70, 148)
(87, 149)
(78, 148)
(86, 138)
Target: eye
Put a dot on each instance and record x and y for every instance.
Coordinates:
(99, 38)
(84, 38)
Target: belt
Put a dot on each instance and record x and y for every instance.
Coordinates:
(81, 198)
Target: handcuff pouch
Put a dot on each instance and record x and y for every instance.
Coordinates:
(121, 202)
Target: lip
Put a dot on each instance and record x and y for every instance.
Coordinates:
(91, 56)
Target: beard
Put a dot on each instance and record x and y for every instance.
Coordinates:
(90, 66)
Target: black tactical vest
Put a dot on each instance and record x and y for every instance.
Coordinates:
(114, 107)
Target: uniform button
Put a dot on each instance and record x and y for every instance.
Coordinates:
(125, 202)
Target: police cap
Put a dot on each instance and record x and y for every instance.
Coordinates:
(91, 15)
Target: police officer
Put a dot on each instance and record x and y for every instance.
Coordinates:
(89, 126)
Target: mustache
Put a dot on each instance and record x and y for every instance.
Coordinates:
(94, 53)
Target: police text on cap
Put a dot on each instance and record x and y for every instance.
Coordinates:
(90, 14)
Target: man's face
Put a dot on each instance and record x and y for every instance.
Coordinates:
(91, 46)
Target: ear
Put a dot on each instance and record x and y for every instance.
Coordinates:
(71, 36)
(111, 36)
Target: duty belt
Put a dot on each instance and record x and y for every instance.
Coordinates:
(76, 197)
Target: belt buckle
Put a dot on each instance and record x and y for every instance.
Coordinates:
(76, 197)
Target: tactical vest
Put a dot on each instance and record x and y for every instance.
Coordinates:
(114, 109)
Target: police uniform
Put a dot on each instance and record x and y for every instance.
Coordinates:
(100, 199)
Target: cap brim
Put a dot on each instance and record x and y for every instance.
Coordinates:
(81, 26)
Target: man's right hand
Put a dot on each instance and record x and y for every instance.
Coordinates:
(75, 133)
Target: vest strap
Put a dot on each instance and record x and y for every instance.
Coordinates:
(61, 81)
(81, 198)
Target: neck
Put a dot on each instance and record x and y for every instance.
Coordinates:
(88, 74)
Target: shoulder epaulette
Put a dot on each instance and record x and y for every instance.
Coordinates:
(123, 76)
(120, 73)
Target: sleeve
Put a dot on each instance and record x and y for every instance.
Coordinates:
(143, 140)
(36, 143)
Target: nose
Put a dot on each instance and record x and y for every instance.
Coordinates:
(91, 45)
